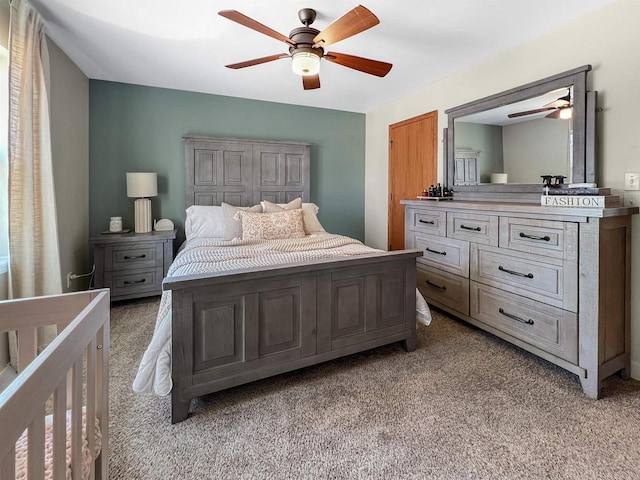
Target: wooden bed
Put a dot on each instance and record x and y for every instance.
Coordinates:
(69, 380)
(233, 328)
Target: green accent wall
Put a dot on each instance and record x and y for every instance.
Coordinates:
(139, 128)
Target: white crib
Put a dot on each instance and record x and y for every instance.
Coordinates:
(68, 381)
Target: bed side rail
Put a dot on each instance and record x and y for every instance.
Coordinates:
(71, 371)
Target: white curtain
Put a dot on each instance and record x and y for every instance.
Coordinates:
(34, 257)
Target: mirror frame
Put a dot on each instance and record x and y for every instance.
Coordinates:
(584, 148)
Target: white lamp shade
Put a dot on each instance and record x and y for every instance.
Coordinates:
(305, 63)
(142, 184)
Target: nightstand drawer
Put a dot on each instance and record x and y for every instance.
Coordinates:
(133, 256)
(132, 264)
(134, 283)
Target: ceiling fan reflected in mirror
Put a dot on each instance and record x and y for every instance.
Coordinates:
(560, 108)
(307, 44)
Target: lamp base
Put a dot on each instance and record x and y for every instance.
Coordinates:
(143, 215)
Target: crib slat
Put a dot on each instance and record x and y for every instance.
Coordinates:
(22, 401)
(90, 411)
(60, 431)
(102, 400)
(27, 347)
(76, 420)
(35, 458)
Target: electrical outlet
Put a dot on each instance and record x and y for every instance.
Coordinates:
(632, 181)
(632, 199)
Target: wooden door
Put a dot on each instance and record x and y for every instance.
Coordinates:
(413, 149)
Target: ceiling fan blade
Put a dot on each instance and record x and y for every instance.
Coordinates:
(354, 21)
(530, 112)
(257, 61)
(372, 67)
(311, 82)
(242, 19)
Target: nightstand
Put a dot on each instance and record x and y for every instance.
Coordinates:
(132, 265)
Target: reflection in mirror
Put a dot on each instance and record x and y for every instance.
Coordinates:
(499, 146)
(516, 143)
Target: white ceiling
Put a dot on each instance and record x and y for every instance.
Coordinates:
(184, 44)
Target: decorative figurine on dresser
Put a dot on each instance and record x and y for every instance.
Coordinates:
(132, 265)
(554, 280)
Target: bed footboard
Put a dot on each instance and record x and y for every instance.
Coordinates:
(68, 381)
(230, 329)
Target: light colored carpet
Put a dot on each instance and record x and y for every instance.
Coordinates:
(463, 405)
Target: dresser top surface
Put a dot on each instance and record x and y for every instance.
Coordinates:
(528, 208)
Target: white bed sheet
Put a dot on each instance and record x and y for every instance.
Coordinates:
(207, 255)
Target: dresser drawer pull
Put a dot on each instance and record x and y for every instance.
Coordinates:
(134, 282)
(546, 238)
(430, 222)
(475, 229)
(443, 287)
(521, 320)
(435, 251)
(134, 257)
(528, 275)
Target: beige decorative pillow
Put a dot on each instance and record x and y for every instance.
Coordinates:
(271, 226)
(309, 213)
(232, 226)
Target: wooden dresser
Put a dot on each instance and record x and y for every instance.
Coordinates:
(132, 265)
(554, 281)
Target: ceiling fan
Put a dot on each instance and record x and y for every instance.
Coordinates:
(560, 108)
(306, 44)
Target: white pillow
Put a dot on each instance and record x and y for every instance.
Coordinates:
(309, 213)
(232, 225)
(204, 221)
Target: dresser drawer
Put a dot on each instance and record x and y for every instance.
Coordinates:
(548, 328)
(473, 227)
(547, 280)
(134, 283)
(444, 253)
(431, 221)
(544, 237)
(133, 256)
(443, 289)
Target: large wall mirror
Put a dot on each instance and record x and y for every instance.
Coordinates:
(501, 145)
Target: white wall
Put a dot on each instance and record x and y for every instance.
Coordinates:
(69, 110)
(608, 39)
(526, 158)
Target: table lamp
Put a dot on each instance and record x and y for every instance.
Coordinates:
(141, 185)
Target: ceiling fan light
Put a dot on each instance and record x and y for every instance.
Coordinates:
(305, 63)
(566, 113)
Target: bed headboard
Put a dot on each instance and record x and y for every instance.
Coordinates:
(244, 172)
